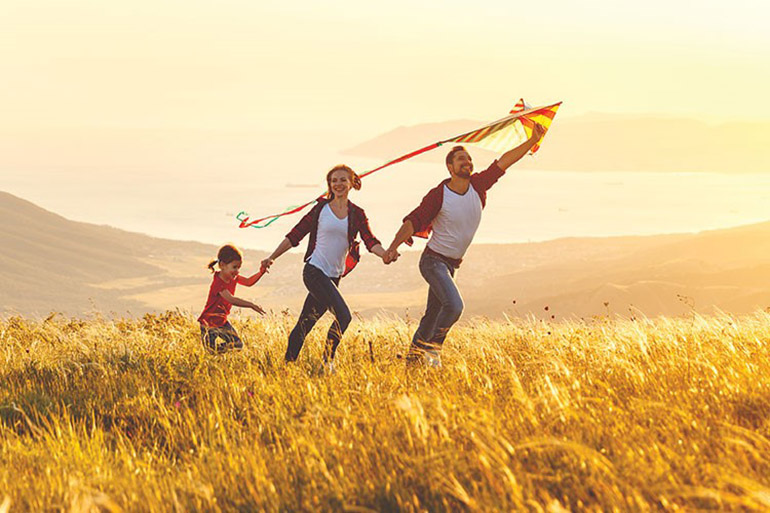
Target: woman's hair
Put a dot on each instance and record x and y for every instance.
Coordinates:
(355, 180)
(227, 253)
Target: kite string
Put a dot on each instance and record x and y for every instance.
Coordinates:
(519, 115)
(403, 158)
(245, 223)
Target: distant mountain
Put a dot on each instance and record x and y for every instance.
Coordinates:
(50, 264)
(608, 142)
(726, 270)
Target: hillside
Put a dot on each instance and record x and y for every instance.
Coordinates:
(715, 270)
(49, 264)
(609, 142)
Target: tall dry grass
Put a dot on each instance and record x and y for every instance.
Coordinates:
(133, 415)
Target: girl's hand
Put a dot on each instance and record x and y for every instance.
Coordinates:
(266, 263)
(258, 309)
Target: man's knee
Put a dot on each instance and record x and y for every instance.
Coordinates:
(454, 308)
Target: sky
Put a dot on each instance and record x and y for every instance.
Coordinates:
(352, 68)
(102, 101)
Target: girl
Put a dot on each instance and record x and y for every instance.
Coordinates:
(333, 224)
(213, 319)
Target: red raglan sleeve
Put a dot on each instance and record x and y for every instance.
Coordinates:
(487, 178)
(422, 217)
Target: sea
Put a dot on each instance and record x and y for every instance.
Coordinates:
(201, 202)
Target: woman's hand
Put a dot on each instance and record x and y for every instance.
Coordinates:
(390, 256)
(257, 309)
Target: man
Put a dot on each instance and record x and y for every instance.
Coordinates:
(452, 210)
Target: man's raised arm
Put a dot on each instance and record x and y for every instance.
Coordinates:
(512, 156)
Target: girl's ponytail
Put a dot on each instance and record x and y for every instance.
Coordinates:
(225, 255)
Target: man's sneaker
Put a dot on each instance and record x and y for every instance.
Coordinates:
(433, 358)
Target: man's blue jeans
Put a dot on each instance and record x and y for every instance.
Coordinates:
(445, 305)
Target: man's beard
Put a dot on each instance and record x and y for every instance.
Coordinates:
(464, 172)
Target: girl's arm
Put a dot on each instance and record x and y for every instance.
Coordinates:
(227, 296)
(282, 248)
(251, 280)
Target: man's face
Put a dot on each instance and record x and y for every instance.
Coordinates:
(461, 165)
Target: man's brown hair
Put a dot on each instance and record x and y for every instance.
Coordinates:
(451, 155)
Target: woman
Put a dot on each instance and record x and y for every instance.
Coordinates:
(333, 224)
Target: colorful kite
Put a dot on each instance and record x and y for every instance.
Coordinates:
(498, 136)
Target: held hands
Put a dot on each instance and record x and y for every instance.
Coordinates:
(265, 265)
(390, 256)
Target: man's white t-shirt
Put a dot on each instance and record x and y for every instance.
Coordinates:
(331, 243)
(456, 223)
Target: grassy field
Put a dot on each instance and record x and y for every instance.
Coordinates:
(626, 415)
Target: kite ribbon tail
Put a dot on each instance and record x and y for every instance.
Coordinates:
(245, 223)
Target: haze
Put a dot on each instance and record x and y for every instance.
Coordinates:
(103, 99)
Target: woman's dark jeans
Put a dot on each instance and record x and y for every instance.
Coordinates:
(323, 295)
(444, 308)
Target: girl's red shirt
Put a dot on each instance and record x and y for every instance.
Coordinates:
(217, 308)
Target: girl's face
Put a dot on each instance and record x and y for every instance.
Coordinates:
(340, 183)
(230, 270)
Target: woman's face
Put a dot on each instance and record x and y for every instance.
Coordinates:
(340, 183)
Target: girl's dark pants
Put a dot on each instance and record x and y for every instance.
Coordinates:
(324, 294)
(228, 335)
